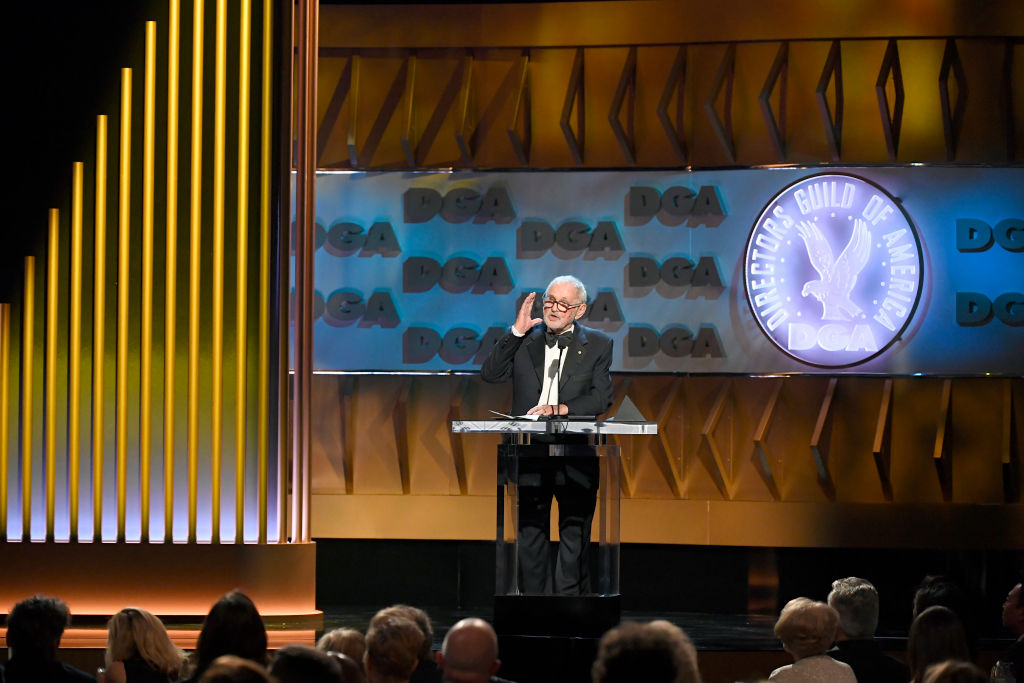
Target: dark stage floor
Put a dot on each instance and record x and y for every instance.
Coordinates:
(710, 632)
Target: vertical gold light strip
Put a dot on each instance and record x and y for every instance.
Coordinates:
(241, 259)
(263, 370)
(171, 258)
(98, 324)
(305, 192)
(75, 349)
(146, 341)
(194, 264)
(5, 410)
(217, 350)
(50, 370)
(27, 361)
(123, 273)
(313, 42)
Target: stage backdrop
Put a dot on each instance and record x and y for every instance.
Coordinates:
(904, 271)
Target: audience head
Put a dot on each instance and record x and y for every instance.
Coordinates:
(1013, 610)
(657, 652)
(469, 653)
(393, 644)
(35, 626)
(952, 671)
(346, 641)
(304, 664)
(422, 621)
(233, 627)
(935, 636)
(134, 632)
(232, 669)
(351, 669)
(806, 627)
(856, 601)
(939, 590)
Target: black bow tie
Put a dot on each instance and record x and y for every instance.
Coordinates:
(563, 340)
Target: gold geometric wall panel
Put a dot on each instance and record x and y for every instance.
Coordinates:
(734, 453)
(597, 106)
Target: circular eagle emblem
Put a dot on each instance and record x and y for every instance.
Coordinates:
(833, 270)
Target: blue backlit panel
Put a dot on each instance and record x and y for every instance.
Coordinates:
(866, 270)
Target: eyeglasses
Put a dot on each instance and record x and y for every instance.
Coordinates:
(560, 306)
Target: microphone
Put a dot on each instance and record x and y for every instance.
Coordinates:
(555, 371)
(553, 379)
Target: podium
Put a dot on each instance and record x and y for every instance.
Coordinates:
(577, 451)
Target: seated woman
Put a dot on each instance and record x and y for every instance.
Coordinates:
(807, 629)
(233, 627)
(139, 649)
(936, 635)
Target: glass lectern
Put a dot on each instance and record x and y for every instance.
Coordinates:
(574, 452)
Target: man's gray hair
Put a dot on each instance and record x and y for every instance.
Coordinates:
(856, 600)
(581, 291)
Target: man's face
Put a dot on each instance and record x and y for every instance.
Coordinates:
(563, 294)
(1013, 610)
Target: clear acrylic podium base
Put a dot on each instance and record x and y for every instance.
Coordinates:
(584, 609)
(594, 608)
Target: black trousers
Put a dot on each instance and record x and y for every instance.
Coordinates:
(571, 479)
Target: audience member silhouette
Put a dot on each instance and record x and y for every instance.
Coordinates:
(856, 601)
(346, 641)
(953, 671)
(140, 651)
(656, 652)
(233, 627)
(469, 653)
(807, 629)
(351, 670)
(935, 636)
(939, 590)
(304, 664)
(234, 669)
(1012, 661)
(393, 644)
(427, 670)
(34, 630)
(232, 646)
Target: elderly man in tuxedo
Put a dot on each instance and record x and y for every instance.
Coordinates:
(557, 368)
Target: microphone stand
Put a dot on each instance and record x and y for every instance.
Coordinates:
(562, 345)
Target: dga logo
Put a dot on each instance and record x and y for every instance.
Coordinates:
(833, 270)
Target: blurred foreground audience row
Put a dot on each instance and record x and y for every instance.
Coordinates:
(830, 642)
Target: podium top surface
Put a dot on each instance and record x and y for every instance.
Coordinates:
(561, 426)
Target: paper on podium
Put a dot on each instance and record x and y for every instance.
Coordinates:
(511, 417)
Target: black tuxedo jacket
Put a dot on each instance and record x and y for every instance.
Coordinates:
(585, 384)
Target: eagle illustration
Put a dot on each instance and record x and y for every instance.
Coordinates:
(838, 276)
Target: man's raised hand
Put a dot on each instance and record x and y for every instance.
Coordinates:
(524, 322)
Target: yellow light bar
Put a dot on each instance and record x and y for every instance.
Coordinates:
(5, 409)
(217, 350)
(123, 273)
(194, 264)
(241, 259)
(146, 342)
(75, 348)
(171, 258)
(99, 323)
(28, 308)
